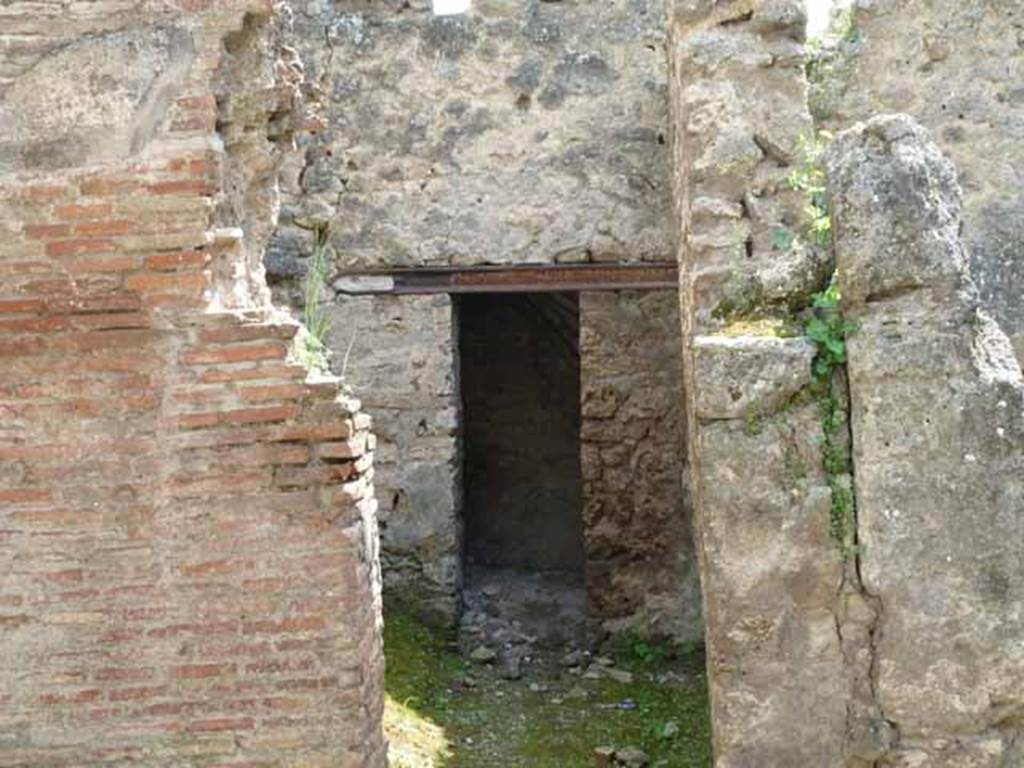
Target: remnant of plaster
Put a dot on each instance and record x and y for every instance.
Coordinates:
(404, 359)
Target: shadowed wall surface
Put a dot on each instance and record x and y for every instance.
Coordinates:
(520, 392)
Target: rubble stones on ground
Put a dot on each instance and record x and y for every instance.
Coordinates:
(522, 612)
(618, 675)
(631, 757)
(511, 667)
(573, 658)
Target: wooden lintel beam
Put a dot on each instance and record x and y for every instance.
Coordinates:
(530, 278)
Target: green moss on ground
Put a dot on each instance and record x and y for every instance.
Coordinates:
(444, 712)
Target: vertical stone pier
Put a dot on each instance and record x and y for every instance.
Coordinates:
(771, 576)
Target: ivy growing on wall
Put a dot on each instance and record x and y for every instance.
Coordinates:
(825, 326)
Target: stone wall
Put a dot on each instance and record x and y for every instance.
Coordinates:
(895, 646)
(519, 132)
(641, 570)
(189, 536)
(783, 650)
(938, 433)
(402, 364)
(958, 68)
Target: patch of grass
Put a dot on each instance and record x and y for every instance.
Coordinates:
(640, 653)
(565, 735)
(444, 713)
(421, 664)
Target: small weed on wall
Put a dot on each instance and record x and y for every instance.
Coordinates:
(312, 345)
(828, 329)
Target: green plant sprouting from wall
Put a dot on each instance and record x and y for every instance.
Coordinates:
(827, 329)
(809, 178)
(313, 349)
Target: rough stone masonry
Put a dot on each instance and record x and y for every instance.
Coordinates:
(187, 535)
(521, 132)
(957, 69)
(770, 574)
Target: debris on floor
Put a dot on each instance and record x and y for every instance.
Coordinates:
(539, 704)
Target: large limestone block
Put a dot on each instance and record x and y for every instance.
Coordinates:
(749, 375)
(938, 435)
(772, 576)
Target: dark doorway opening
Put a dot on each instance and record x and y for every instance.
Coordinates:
(523, 534)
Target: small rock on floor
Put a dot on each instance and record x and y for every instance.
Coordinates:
(483, 655)
(619, 675)
(511, 668)
(632, 757)
(572, 659)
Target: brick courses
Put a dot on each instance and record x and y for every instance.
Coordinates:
(188, 565)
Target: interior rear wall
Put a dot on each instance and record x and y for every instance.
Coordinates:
(520, 392)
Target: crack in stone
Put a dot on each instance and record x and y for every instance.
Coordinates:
(870, 735)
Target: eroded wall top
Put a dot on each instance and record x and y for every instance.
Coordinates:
(958, 68)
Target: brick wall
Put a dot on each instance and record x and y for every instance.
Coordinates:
(187, 526)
